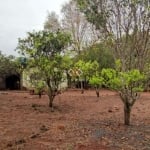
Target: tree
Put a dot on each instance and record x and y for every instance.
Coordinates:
(7, 65)
(128, 84)
(88, 69)
(45, 49)
(52, 22)
(98, 52)
(96, 81)
(125, 26)
(74, 22)
(9, 69)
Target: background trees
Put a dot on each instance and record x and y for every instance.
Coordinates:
(125, 25)
(52, 22)
(9, 72)
(82, 32)
(87, 69)
(7, 65)
(99, 52)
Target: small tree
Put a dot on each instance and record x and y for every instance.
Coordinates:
(88, 69)
(75, 73)
(96, 81)
(36, 81)
(52, 22)
(128, 84)
(44, 48)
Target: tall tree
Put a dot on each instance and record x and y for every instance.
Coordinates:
(125, 26)
(52, 22)
(44, 49)
(73, 21)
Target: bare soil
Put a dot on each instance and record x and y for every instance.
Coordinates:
(79, 122)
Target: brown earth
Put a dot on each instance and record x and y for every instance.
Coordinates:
(79, 122)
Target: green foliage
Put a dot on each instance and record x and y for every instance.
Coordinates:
(98, 12)
(88, 68)
(43, 43)
(36, 80)
(118, 65)
(93, 13)
(131, 80)
(96, 81)
(100, 53)
(108, 75)
(123, 26)
(67, 62)
(21, 64)
(44, 49)
(127, 83)
(8, 65)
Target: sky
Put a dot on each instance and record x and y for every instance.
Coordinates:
(17, 17)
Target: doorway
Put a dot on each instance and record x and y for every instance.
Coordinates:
(12, 82)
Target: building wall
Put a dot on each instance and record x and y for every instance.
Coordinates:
(26, 81)
(2, 83)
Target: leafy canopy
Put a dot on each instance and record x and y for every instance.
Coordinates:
(45, 51)
(131, 80)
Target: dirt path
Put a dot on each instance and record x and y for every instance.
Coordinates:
(80, 122)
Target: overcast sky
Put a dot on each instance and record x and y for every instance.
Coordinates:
(20, 16)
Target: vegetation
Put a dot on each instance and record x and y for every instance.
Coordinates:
(128, 84)
(87, 70)
(8, 65)
(82, 32)
(96, 81)
(125, 26)
(84, 46)
(44, 49)
(99, 52)
(35, 80)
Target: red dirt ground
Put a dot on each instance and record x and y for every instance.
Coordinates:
(79, 122)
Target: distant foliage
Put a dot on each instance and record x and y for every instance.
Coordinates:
(8, 65)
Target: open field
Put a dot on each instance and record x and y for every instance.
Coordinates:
(79, 122)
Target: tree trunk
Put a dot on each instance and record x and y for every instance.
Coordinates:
(82, 90)
(40, 94)
(51, 98)
(127, 112)
(21, 80)
(97, 92)
(68, 80)
(51, 104)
